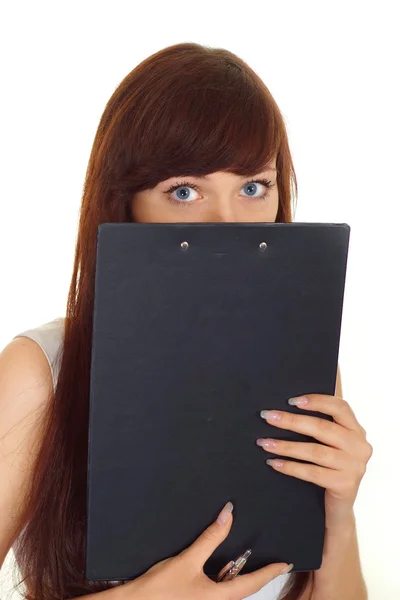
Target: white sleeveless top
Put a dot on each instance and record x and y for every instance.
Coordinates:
(50, 338)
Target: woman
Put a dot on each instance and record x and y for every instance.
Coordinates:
(185, 112)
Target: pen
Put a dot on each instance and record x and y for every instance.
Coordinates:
(233, 568)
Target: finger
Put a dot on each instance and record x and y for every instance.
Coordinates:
(324, 431)
(321, 476)
(248, 584)
(316, 453)
(334, 406)
(211, 538)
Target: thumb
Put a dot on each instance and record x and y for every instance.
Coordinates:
(160, 564)
(211, 538)
(246, 585)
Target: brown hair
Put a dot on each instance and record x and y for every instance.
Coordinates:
(187, 109)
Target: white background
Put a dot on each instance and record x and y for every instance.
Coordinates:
(333, 68)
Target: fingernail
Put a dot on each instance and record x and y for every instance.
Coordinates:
(225, 512)
(266, 443)
(298, 401)
(274, 462)
(270, 414)
(287, 569)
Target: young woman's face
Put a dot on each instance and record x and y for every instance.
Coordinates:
(218, 197)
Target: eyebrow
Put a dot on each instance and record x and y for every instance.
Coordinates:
(207, 176)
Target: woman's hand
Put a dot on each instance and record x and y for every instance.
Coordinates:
(339, 462)
(181, 577)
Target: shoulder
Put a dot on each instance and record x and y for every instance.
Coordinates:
(47, 338)
(28, 362)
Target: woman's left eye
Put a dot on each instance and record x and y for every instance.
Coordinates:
(251, 188)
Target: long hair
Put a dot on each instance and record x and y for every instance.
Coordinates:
(187, 109)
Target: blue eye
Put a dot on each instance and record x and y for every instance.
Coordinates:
(251, 186)
(183, 192)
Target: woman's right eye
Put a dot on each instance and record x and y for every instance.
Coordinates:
(183, 192)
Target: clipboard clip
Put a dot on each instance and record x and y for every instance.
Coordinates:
(263, 245)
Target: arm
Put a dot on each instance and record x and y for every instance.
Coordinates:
(337, 463)
(340, 575)
(25, 385)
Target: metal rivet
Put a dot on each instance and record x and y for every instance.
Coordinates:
(184, 245)
(263, 246)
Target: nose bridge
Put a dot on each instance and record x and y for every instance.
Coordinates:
(224, 207)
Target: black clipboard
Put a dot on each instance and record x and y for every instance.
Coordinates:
(196, 328)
